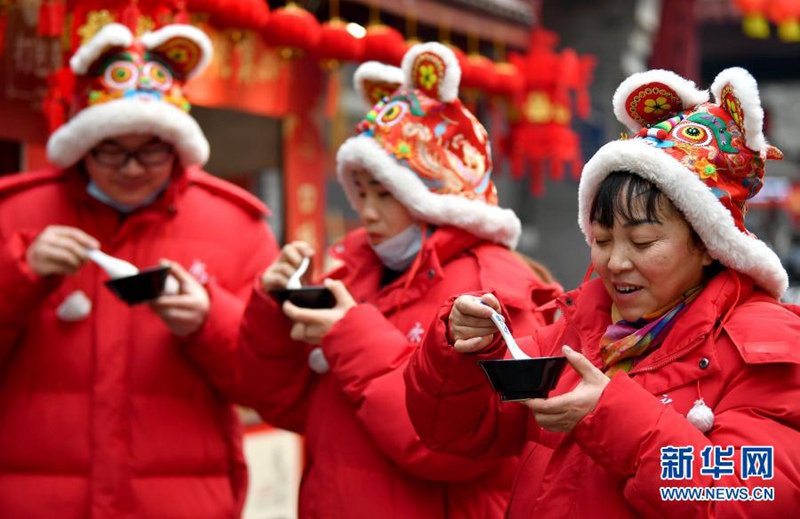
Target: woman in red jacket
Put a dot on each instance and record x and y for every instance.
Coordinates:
(418, 173)
(109, 410)
(682, 397)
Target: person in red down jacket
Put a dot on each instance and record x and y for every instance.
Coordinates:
(682, 395)
(109, 410)
(418, 174)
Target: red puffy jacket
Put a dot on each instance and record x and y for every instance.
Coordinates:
(112, 416)
(735, 347)
(363, 457)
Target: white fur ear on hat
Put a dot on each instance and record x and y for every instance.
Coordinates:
(189, 60)
(445, 76)
(110, 36)
(745, 90)
(680, 93)
(373, 80)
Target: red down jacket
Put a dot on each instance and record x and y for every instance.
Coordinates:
(735, 347)
(363, 457)
(112, 416)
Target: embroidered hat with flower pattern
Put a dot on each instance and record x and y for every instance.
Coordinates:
(425, 147)
(706, 156)
(127, 85)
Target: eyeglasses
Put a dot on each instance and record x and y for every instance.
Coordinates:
(149, 155)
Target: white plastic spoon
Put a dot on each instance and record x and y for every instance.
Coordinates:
(119, 268)
(294, 279)
(114, 267)
(516, 351)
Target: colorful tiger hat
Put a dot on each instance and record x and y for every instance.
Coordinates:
(127, 85)
(425, 147)
(707, 157)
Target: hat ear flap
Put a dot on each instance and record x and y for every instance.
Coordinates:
(374, 81)
(737, 93)
(186, 49)
(433, 69)
(647, 98)
(110, 36)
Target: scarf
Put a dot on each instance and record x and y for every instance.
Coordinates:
(625, 342)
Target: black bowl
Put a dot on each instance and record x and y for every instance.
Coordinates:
(147, 284)
(312, 296)
(524, 378)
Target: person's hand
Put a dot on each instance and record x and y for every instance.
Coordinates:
(185, 312)
(562, 412)
(311, 324)
(277, 275)
(471, 326)
(59, 250)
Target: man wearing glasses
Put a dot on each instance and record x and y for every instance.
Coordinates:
(109, 409)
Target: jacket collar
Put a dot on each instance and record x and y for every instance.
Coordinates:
(588, 312)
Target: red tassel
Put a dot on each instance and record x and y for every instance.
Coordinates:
(55, 103)
(537, 178)
(333, 92)
(181, 14)
(3, 25)
(236, 56)
(130, 16)
(163, 15)
(44, 18)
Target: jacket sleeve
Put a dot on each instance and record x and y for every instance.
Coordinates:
(373, 379)
(275, 378)
(759, 408)
(213, 348)
(450, 401)
(21, 289)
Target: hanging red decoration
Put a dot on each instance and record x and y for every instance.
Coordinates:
(293, 30)
(55, 104)
(336, 44)
(478, 72)
(237, 14)
(385, 44)
(3, 26)
(508, 80)
(541, 137)
(51, 18)
(754, 22)
(786, 15)
(130, 16)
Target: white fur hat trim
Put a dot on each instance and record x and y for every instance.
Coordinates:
(110, 36)
(485, 221)
(375, 72)
(685, 89)
(448, 88)
(707, 216)
(152, 40)
(93, 124)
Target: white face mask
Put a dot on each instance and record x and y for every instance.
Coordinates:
(399, 251)
(98, 194)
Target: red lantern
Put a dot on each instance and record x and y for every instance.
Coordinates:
(754, 23)
(293, 30)
(384, 44)
(786, 15)
(336, 44)
(239, 14)
(478, 72)
(508, 80)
